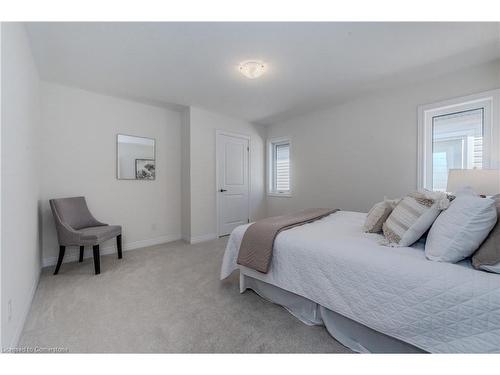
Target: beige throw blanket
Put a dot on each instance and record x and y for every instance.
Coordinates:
(256, 248)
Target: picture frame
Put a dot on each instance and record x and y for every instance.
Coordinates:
(145, 169)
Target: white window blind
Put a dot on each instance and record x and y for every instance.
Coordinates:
(279, 166)
(282, 168)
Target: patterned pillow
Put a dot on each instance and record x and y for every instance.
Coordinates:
(413, 216)
(378, 214)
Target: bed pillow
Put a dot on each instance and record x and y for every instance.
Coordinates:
(459, 230)
(412, 217)
(378, 214)
(487, 257)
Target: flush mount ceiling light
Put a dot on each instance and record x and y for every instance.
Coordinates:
(252, 68)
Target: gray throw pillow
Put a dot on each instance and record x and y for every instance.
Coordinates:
(488, 254)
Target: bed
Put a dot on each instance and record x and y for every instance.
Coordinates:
(371, 297)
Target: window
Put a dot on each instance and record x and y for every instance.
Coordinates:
(457, 134)
(279, 167)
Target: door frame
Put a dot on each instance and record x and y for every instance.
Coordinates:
(217, 147)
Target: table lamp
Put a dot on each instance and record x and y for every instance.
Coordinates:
(482, 181)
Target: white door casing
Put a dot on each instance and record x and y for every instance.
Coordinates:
(232, 179)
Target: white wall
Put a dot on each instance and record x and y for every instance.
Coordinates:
(79, 158)
(352, 155)
(20, 256)
(203, 125)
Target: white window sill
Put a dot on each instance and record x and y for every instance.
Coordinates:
(284, 195)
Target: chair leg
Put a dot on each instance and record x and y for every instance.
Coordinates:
(97, 261)
(119, 245)
(62, 249)
(82, 248)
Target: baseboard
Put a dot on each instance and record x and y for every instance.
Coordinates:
(50, 261)
(19, 330)
(203, 238)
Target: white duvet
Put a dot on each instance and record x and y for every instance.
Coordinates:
(438, 307)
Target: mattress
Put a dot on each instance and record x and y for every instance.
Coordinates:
(438, 307)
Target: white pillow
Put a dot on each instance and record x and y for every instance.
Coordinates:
(461, 229)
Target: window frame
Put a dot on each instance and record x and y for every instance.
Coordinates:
(271, 166)
(489, 100)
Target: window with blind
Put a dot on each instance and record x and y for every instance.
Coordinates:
(457, 143)
(457, 134)
(279, 167)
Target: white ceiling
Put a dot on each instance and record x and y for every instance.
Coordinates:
(310, 65)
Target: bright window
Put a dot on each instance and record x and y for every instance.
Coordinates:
(457, 134)
(279, 167)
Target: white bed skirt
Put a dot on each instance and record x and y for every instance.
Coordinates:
(351, 334)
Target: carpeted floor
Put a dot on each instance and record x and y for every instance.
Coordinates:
(163, 299)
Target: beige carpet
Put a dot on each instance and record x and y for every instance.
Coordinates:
(165, 299)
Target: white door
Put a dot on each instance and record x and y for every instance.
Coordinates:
(232, 182)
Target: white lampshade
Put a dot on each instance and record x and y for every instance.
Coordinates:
(482, 181)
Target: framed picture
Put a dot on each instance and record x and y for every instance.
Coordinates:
(145, 169)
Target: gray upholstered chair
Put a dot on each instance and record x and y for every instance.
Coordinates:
(77, 227)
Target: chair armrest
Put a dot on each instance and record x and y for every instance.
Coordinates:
(67, 236)
(94, 222)
(97, 223)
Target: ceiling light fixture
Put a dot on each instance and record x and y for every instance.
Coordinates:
(252, 68)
